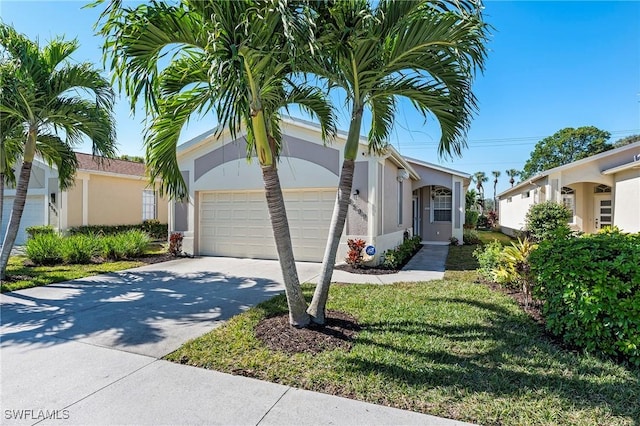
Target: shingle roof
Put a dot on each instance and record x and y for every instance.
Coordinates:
(123, 167)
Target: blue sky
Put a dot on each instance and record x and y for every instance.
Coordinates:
(551, 65)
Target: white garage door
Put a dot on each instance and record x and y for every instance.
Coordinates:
(237, 224)
(32, 215)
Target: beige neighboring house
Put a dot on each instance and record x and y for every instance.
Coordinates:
(601, 190)
(227, 215)
(115, 192)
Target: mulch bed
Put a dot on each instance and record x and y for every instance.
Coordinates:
(338, 333)
(534, 310)
(374, 270)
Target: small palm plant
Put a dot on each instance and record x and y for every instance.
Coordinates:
(515, 268)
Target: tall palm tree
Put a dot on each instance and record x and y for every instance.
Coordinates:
(235, 58)
(480, 178)
(512, 173)
(424, 51)
(496, 175)
(54, 104)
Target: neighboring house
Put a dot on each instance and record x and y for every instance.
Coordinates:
(226, 214)
(601, 190)
(114, 192)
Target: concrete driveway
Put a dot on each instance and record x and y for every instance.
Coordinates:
(87, 352)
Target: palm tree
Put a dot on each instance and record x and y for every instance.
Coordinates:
(479, 178)
(472, 199)
(512, 173)
(236, 58)
(423, 51)
(496, 175)
(46, 101)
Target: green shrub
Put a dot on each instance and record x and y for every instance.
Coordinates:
(395, 258)
(32, 231)
(125, 245)
(514, 267)
(79, 249)
(547, 220)
(470, 237)
(483, 222)
(44, 249)
(489, 259)
(471, 219)
(153, 228)
(591, 291)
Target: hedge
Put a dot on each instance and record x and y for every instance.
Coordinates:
(153, 228)
(590, 287)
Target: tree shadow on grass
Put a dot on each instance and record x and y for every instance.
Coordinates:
(501, 356)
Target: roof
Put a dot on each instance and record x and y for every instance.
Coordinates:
(438, 167)
(88, 162)
(631, 146)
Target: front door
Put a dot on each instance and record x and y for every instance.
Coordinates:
(603, 212)
(416, 216)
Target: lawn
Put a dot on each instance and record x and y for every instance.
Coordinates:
(450, 348)
(21, 277)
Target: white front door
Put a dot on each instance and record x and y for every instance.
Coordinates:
(603, 212)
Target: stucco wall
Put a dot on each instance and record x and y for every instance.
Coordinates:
(627, 200)
(391, 222)
(514, 209)
(432, 231)
(74, 205)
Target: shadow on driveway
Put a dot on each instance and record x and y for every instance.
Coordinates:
(149, 312)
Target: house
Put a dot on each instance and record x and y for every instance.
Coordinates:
(114, 192)
(226, 214)
(601, 190)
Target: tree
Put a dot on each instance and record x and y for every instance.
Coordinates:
(471, 199)
(424, 51)
(480, 178)
(50, 103)
(513, 174)
(235, 58)
(566, 146)
(496, 175)
(626, 141)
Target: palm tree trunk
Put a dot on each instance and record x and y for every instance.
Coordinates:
(298, 316)
(1, 197)
(340, 209)
(16, 215)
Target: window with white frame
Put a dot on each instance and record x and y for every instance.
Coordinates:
(442, 202)
(149, 210)
(526, 194)
(602, 189)
(569, 201)
(400, 201)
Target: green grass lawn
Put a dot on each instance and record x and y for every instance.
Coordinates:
(22, 277)
(34, 276)
(449, 348)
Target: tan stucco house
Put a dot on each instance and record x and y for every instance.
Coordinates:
(601, 190)
(114, 192)
(226, 214)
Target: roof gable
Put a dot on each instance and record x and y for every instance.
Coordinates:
(89, 163)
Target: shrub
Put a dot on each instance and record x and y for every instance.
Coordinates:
(32, 231)
(547, 220)
(354, 255)
(492, 219)
(514, 267)
(125, 245)
(175, 243)
(591, 291)
(488, 257)
(44, 249)
(153, 228)
(454, 241)
(470, 237)
(483, 222)
(79, 249)
(471, 219)
(396, 258)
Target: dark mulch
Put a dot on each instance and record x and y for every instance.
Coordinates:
(534, 310)
(374, 270)
(156, 258)
(338, 333)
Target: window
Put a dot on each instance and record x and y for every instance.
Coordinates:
(509, 200)
(441, 204)
(602, 189)
(148, 204)
(569, 201)
(400, 201)
(526, 194)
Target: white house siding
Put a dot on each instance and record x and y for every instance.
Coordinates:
(627, 200)
(514, 208)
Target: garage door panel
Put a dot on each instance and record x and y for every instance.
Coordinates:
(238, 224)
(33, 215)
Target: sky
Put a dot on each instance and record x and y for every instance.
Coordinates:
(550, 65)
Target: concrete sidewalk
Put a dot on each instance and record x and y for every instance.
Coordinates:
(87, 352)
